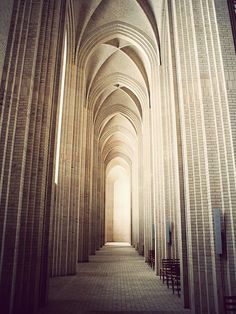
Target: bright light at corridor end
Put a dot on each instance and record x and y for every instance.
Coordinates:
(118, 205)
(117, 244)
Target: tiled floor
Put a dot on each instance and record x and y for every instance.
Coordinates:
(116, 279)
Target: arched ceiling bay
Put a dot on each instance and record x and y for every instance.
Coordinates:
(124, 98)
(92, 14)
(107, 59)
(117, 161)
(118, 83)
(119, 121)
(118, 139)
(118, 129)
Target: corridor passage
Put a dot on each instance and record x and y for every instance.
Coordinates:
(116, 279)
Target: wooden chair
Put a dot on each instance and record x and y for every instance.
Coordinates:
(165, 270)
(175, 278)
(230, 304)
(151, 258)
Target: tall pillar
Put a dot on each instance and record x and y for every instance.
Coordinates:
(26, 139)
(207, 133)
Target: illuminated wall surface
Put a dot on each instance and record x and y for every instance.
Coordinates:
(118, 206)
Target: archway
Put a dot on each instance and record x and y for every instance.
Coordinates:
(118, 205)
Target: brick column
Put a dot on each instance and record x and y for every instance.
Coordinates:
(206, 106)
(26, 139)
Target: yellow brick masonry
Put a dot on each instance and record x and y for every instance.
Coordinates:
(27, 93)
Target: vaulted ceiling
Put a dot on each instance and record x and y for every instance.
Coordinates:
(116, 42)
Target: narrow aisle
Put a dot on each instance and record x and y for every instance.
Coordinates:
(116, 279)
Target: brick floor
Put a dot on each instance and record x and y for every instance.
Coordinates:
(116, 279)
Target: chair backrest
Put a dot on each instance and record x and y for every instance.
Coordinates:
(167, 262)
(230, 304)
(176, 269)
(170, 261)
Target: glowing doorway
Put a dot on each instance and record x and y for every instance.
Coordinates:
(118, 205)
